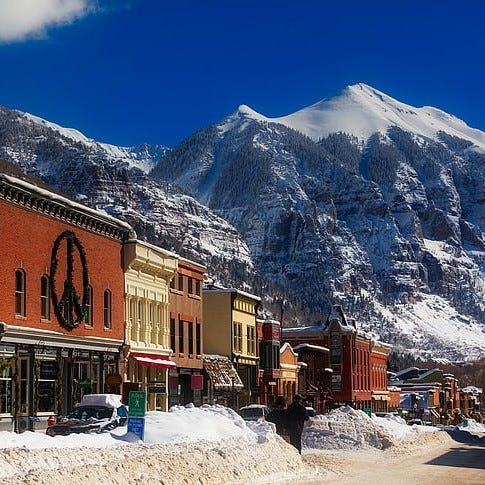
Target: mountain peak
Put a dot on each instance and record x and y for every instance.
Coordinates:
(362, 110)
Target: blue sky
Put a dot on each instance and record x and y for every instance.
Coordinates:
(128, 72)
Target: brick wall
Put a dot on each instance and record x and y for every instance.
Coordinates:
(26, 242)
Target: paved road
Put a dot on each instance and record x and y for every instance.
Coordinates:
(458, 462)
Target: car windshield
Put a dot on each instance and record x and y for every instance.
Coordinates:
(91, 412)
(251, 412)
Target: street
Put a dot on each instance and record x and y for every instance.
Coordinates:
(460, 461)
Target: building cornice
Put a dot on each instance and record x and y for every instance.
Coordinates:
(30, 197)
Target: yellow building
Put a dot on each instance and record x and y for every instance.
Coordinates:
(148, 270)
(230, 330)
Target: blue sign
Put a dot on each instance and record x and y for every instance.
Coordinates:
(136, 426)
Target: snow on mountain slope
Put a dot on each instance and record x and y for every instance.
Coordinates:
(144, 157)
(361, 110)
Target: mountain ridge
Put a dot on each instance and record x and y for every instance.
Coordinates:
(390, 226)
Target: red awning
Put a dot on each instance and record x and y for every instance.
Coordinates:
(154, 360)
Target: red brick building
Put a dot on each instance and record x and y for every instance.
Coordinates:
(61, 303)
(358, 363)
(186, 337)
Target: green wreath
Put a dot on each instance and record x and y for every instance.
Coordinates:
(80, 309)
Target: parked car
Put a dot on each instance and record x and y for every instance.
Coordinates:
(415, 421)
(311, 412)
(94, 414)
(253, 412)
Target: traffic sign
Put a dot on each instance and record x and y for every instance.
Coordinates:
(137, 404)
(136, 426)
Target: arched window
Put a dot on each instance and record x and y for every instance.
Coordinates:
(20, 292)
(45, 306)
(88, 314)
(107, 309)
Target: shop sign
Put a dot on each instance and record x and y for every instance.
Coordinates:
(113, 379)
(48, 369)
(157, 389)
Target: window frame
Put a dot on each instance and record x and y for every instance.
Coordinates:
(45, 298)
(20, 293)
(107, 310)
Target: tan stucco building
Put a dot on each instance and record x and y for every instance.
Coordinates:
(230, 330)
(148, 270)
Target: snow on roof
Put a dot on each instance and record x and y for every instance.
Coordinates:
(47, 194)
(218, 289)
(310, 347)
(108, 400)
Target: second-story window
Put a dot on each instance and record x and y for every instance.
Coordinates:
(107, 309)
(237, 337)
(198, 348)
(251, 341)
(191, 338)
(88, 307)
(172, 335)
(181, 337)
(190, 286)
(180, 283)
(45, 307)
(20, 293)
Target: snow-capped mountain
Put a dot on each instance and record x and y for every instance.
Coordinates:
(361, 111)
(349, 200)
(358, 199)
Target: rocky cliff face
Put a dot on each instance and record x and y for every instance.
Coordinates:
(386, 218)
(112, 179)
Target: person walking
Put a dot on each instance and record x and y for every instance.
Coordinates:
(277, 415)
(296, 416)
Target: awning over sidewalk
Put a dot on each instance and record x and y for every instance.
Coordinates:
(13, 334)
(159, 361)
(221, 372)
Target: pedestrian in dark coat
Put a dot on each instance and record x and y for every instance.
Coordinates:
(277, 415)
(296, 416)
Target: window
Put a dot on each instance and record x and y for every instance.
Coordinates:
(198, 349)
(172, 334)
(20, 292)
(190, 286)
(181, 337)
(6, 389)
(251, 341)
(46, 386)
(107, 309)
(172, 283)
(191, 337)
(237, 337)
(88, 311)
(45, 308)
(197, 287)
(181, 283)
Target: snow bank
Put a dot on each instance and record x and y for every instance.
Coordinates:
(346, 428)
(206, 445)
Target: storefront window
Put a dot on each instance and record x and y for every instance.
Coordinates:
(46, 386)
(5, 387)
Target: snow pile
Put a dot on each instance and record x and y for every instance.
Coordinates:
(473, 427)
(206, 445)
(346, 428)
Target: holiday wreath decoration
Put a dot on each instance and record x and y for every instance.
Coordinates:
(69, 310)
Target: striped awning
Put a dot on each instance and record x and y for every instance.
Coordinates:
(151, 360)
